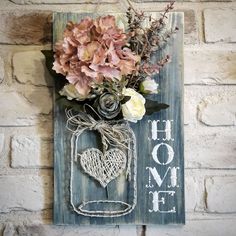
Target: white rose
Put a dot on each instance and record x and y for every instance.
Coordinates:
(134, 109)
(70, 92)
(149, 86)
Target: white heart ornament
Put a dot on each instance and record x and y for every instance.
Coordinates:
(103, 167)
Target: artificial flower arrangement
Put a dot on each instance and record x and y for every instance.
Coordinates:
(104, 77)
(101, 65)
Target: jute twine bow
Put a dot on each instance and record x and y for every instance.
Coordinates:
(113, 133)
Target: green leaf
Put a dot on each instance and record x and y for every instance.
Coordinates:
(65, 103)
(59, 79)
(125, 99)
(49, 63)
(153, 106)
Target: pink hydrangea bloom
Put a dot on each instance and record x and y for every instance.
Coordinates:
(93, 50)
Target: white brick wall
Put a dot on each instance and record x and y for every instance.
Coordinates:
(26, 183)
(1, 142)
(210, 147)
(220, 25)
(34, 70)
(196, 227)
(23, 108)
(27, 192)
(2, 70)
(31, 152)
(57, 1)
(16, 27)
(210, 65)
(220, 194)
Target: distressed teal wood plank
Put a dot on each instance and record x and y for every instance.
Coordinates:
(171, 85)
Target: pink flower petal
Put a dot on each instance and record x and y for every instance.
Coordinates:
(127, 54)
(116, 36)
(73, 78)
(83, 88)
(99, 56)
(106, 22)
(85, 24)
(58, 68)
(106, 71)
(89, 72)
(127, 67)
(81, 82)
(67, 47)
(112, 55)
(85, 53)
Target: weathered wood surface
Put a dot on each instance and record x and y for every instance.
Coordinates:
(85, 188)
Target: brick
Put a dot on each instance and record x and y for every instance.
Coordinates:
(140, 229)
(31, 193)
(2, 226)
(190, 27)
(191, 99)
(204, 66)
(218, 110)
(29, 67)
(158, 1)
(2, 139)
(221, 192)
(9, 230)
(194, 190)
(25, 27)
(2, 70)
(40, 100)
(206, 147)
(31, 151)
(202, 103)
(197, 228)
(191, 198)
(15, 110)
(220, 25)
(23, 109)
(44, 230)
(210, 147)
(189, 110)
(59, 1)
(127, 230)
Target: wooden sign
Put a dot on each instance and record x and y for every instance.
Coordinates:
(155, 192)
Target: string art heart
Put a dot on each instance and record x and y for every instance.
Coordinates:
(103, 167)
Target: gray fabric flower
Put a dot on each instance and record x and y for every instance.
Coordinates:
(108, 105)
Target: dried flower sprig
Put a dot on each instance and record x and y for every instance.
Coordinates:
(145, 41)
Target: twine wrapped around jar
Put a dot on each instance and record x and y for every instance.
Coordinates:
(119, 150)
